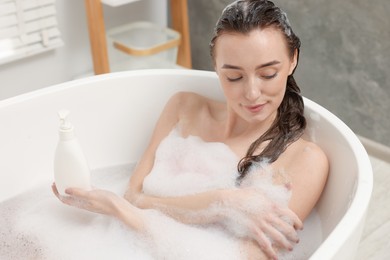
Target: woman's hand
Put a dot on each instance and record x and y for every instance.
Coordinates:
(134, 198)
(103, 202)
(98, 201)
(248, 212)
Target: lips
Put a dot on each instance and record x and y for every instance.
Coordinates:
(255, 108)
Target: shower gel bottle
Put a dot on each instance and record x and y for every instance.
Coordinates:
(70, 165)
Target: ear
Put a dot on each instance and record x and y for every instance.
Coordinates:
(294, 62)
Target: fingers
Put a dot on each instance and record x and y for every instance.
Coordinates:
(269, 236)
(98, 201)
(277, 237)
(276, 229)
(71, 201)
(291, 218)
(74, 198)
(298, 225)
(286, 229)
(265, 244)
(54, 189)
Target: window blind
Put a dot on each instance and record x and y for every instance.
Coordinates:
(27, 27)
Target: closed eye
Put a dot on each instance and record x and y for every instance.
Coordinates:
(270, 76)
(234, 79)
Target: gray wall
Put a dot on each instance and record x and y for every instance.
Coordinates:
(345, 56)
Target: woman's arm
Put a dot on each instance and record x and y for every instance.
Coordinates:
(309, 170)
(246, 213)
(167, 121)
(178, 111)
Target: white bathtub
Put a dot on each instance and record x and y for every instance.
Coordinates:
(114, 115)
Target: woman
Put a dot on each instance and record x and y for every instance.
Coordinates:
(255, 53)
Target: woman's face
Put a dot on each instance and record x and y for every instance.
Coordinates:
(253, 70)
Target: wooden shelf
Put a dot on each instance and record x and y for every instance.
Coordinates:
(97, 32)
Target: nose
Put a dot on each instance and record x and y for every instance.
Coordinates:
(252, 89)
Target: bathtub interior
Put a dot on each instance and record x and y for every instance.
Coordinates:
(115, 114)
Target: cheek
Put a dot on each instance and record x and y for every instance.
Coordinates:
(277, 88)
(232, 92)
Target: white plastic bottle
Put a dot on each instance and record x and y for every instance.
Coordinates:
(70, 165)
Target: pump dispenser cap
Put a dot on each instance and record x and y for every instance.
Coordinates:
(65, 125)
(66, 128)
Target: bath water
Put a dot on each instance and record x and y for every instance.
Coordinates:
(35, 225)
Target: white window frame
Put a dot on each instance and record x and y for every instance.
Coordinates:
(27, 27)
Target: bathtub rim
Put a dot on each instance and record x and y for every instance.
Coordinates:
(354, 215)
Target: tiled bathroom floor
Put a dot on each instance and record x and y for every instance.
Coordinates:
(375, 241)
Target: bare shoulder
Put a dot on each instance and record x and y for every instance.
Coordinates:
(307, 162)
(194, 109)
(309, 153)
(188, 101)
(308, 167)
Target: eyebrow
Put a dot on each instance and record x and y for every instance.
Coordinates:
(229, 66)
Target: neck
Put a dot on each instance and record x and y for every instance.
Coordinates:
(236, 126)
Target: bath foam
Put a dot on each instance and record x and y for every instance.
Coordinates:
(46, 229)
(37, 225)
(16, 245)
(261, 177)
(273, 184)
(189, 165)
(175, 240)
(42, 228)
(181, 162)
(260, 184)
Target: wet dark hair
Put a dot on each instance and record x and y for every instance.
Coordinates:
(243, 16)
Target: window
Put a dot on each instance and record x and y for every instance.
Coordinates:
(27, 27)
